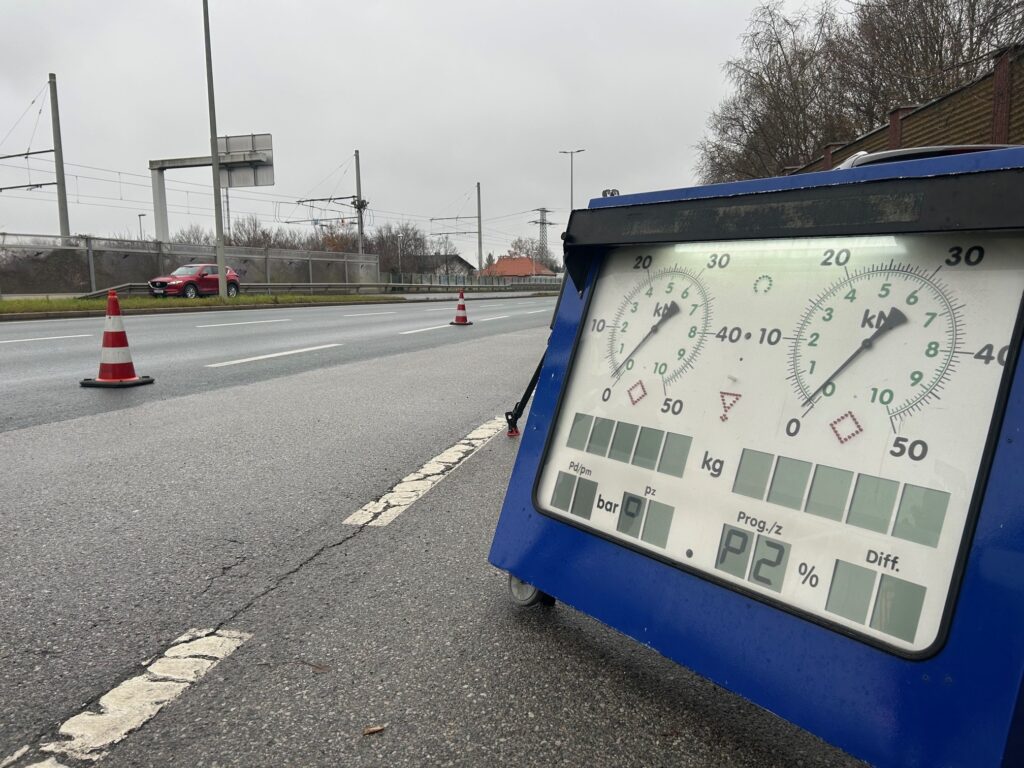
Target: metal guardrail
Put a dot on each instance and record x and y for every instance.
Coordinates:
(326, 289)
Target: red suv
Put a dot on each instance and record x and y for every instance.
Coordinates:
(193, 280)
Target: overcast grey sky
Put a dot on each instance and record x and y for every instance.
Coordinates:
(436, 96)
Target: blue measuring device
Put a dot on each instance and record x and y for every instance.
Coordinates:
(776, 438)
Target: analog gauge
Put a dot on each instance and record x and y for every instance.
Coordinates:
(885, 336)
(660, 325)
(800, 419)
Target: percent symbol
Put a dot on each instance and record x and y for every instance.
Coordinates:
(807, 574)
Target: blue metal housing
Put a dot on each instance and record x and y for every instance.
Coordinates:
(960, 707)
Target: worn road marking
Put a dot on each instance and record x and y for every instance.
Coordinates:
(412, 487)
(499, 317)
(90, 735)
(11, 759)
(536, 311)
(439, 309)
(368, 314)
(421, 330)
(47, 338)
(275, 354)
(247, 322)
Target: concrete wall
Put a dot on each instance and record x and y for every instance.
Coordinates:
(45, 264)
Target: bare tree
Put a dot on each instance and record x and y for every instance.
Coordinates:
(819, 76)
(531, 248)
(193, 234)
(340, 236)
(900, 52)
(401, 248)
(249, 231)
(785, 102)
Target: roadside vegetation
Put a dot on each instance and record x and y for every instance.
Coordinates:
(832, 72)
(128, 303)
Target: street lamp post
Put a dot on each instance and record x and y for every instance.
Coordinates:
(570, 153)
(401, 236)
(140, 226)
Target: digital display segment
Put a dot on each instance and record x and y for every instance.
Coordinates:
(803, 420)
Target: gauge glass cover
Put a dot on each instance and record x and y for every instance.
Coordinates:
(803, 420)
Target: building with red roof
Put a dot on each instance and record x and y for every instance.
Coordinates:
(515, 266)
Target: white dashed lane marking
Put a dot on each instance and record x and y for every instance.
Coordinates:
(498, 317)
(89, 735)
(47, 338)
(369, 314)
(421, 330)
(275, 354)
(412, 487)
(247, 322)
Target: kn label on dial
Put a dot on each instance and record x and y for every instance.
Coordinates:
(803, 420)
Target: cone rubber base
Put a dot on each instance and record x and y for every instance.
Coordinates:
(117, 382)
(465, 323)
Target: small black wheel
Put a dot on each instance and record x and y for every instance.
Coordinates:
(190, 291)
(232, 290)
(525, 595)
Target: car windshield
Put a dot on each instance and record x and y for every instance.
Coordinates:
(189, 270)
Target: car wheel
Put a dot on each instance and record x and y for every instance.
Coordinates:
(232, 290)
(190, 291)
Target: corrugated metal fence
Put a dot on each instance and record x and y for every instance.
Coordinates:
(989, 110)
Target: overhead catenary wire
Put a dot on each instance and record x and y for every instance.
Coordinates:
(275, 199)
(22, 116)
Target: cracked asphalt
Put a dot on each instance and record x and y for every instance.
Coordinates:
(370, 645)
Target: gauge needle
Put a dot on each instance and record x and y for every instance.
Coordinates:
(670, 311)
(893, 319)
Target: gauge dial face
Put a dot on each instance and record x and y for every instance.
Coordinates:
(900, 371)
(804, 420)
(668, 302)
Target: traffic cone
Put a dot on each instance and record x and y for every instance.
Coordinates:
(460, 312)
(116, 369)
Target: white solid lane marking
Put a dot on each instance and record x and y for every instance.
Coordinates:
(499, 317)
(94, 731)
(247, 322)
(412, 487)
(421, 330)
(275, 354)
(48, 338)
(368, 314)
(536, 311)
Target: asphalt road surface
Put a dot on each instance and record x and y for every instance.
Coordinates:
(217, 499)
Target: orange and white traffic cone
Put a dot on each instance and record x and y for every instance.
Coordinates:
(116, 369)
(460, 312)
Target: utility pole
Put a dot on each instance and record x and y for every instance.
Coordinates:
(218, 217)
(58, 158)
(227, 205)
(359, 203)
(543, 238)
(479, 232)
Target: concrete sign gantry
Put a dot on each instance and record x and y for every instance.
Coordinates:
(245, 161)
